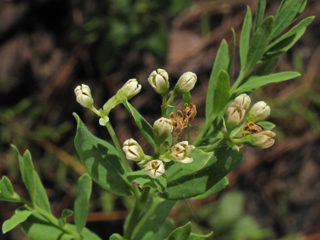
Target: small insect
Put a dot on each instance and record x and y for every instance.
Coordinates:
(252, 128)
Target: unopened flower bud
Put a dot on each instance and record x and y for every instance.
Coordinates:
(103, 121)
(234, 115)
(181, 151)
(83, 95)
(129, 89)
(262, 139)
(185, 83)
(159, 80)
(132, 150)
(162, 128)
(244, 100)
(259, 112)
(155, 168)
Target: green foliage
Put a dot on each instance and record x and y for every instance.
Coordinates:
(21, 215)
(245, 38)
(181, 233)
(64, 215)
(200, 160)
(102, 161)
(81, 204)
(144, 180)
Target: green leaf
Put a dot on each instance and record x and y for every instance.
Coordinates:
(221, 93)
(116, 236)
(302, 7)
(181, 233)
(214, 189)
(28, 174)
(81, 204)
(221, 63)
(186, 98)
(194, 236)
(145, 128)
(245, 38)
(259, 14)
(186, 184)
(256, 82)
(283, 46)
(265, 68)
(64, 215)
(38, 227)
(144, 180)
(20, 161)
(41, 195)
(259, 43)
(153, 215)
(285, 17)
(165, 230)
(233, 53)
(200, 159)
(21, 215)
(101, 160)
(6, 188)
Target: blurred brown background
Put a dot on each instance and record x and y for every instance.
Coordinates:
(48, 47)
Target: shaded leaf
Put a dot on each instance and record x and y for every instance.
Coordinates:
(194, 236)
(116, 236)
(245, 38)
(144, 180)
(41, 195)
(200, 159)
(165, 230)
(221, 93)
(259, 14)
(214, 189)
(101, 160)
(181, 233)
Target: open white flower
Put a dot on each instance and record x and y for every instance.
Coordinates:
(181, 151)
(83, 95)
(155, 168)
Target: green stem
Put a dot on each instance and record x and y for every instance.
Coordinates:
(200, 136)
(216, 145)
(238, 81)
(135, 214)
(163, 106)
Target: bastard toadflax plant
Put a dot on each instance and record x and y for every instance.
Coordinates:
(177, 168)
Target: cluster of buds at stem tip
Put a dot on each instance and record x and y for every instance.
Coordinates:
(155, 168)
(159, 81)
(179, 152)
(259, 112)
(83, 95)
(129, 89)
(185, 83)
(162, 128)
(234, 115)
(262, 139)
(133, 150)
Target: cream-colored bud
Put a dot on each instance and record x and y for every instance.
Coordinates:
(262, 139)
(185, 83)
(129, 89)
(234, 115)
(103, 121)
(159, 81)
(259, 112)
(162, 128)
(155, 168)
(83, 95)
(181, 151)
(131, 149)
(244, 100)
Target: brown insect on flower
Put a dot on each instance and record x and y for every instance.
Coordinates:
(252, 128)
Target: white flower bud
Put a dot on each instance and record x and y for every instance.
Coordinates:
(259, 112)
(129, 89)
(234, 115)
(132, 150)
(162, 128)
(103, 121)
(185, 83)
(262, 139)
(155, 168)
(181, 151)
(244, 100)
(159, 81)
(83, 95)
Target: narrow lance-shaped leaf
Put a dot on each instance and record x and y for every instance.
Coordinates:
(64, 215)
(41, 195)
(259, 14)
(285, 17)
(181, 233)
(81, 205)
(102, 161)
(259, 43)
(221, 93)
(28, 173)
(194, 236)
(233, 53)
(214, 189)
(6, 188)
(145, 128)
(245, 38)
(21, 215)
(221, 63)
(256, 82)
